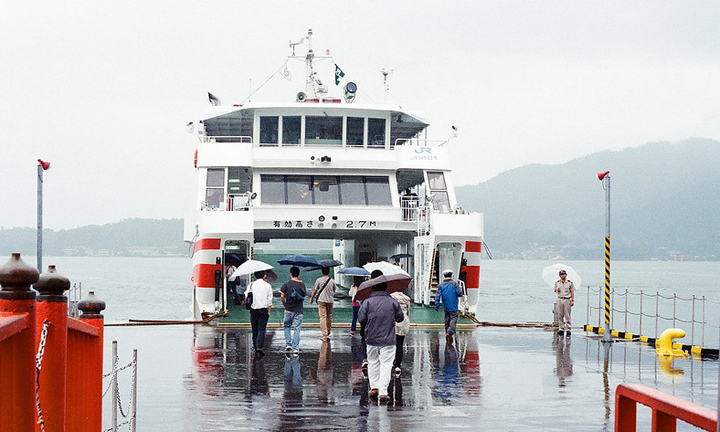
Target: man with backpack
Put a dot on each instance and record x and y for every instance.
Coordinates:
(292, 295)
(448, 293)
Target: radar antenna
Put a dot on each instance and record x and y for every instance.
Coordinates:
(385, 73)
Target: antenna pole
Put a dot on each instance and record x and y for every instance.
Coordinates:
(310, 80)
(385, 73)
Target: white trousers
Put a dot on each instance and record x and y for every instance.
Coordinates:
(380, 361)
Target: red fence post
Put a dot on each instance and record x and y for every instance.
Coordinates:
(17, 377)
(91, 308)
(625, 413)
(52, 379)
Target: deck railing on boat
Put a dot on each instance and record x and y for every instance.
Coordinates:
(646, 312)
(226, 139)
(666, 410)
(59, 387)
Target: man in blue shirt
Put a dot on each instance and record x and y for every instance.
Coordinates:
(448, 293)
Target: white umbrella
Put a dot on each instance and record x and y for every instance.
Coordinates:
(551, 274)
(249, 267)
(386, 268)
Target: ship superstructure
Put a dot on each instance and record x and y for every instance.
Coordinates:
(320, 167)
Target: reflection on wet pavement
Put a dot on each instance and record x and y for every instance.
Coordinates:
(530, 380)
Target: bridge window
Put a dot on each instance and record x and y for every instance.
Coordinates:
(376, 132)
(323, 130)
(299, 190)
(269, 130)
(438, 190)
(352, 190)
(215, 185)
(325, 190)
(291, 129)
(272, 189)
(378, 190)
(355, 131)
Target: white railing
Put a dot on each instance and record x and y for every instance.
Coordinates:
(226, 139)
(417, 142)
(243, 202)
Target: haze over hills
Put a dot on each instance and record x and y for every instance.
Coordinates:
(665, 204)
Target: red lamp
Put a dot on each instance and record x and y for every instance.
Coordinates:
(45, 165)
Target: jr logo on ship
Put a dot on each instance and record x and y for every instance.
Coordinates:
(424, 153)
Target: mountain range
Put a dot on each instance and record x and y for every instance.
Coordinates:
(664, 204)
(664, 197)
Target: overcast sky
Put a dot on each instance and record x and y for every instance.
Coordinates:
(103, 90)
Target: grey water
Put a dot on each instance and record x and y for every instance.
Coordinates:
(197, 378)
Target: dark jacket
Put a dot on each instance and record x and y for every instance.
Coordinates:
(378, 315)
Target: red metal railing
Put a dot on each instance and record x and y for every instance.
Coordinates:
(50, 365)
(666, 410)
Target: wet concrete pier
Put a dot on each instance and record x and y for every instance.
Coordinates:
(198, 378)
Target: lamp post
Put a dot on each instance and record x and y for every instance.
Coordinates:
(604, 177)
(42, 166)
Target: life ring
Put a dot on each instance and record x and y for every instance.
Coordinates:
(195, 159)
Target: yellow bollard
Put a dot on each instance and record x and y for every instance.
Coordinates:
(664, 345)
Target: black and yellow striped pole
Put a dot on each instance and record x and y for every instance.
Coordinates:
(605, 178)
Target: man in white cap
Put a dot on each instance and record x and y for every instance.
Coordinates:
(566, 299)
(448, 293)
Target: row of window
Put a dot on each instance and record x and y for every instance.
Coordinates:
(322, 130)
(325, 190)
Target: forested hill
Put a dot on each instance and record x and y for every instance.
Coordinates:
(131, 237)
(665, 204)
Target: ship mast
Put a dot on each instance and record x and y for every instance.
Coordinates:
(313, 86)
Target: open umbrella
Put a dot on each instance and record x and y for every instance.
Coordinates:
(401, 255)
(395, 282)
(250, 267)
(385, 267)
(298, 260)
(551, 274)
(354, 271)
(324, 263)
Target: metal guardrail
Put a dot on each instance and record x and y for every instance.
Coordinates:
(117, 405)
(636, 308)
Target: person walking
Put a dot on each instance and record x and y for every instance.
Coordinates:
(325, 290)
(357, 280)
(292, 295)
(378, 315)
(448, 293)
(259, 311)
(401, 329)
(565, 290)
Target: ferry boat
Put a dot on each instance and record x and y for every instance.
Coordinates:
(322, 166)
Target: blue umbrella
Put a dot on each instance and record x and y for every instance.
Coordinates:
(402, 255)
(354, 271)
(298, 260)
(324, 263)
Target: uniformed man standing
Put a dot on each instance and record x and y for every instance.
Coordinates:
(566, 299)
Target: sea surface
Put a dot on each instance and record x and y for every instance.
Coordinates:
(196, 378)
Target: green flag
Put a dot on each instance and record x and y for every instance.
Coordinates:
(338, 74)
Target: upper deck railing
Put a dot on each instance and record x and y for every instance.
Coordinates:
(413, 142)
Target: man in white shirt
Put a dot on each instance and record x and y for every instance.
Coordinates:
(260, 311)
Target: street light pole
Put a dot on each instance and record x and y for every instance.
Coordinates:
(605, 178)
(42, 166)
